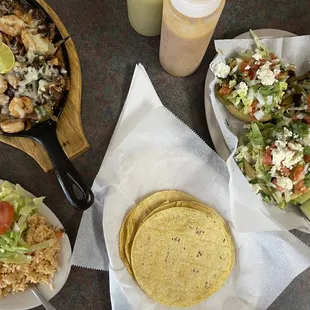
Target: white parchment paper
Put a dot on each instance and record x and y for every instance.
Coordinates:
(249, 212)
(152, 150)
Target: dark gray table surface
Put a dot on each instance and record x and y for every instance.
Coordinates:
(109, 49)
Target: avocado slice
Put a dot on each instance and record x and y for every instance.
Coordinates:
(305, 209)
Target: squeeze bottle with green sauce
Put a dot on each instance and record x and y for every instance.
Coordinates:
(145, 16)
(187, 28)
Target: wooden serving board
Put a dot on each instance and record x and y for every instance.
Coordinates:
(69, 128)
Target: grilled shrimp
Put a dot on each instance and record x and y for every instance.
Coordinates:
(39, 45)
(12, 79)
(3, 85)
(4, 103)
(20, 107)
(12, 125)
(11, 25)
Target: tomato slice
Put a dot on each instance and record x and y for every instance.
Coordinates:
(307, 119)
(267, 157)
(6, 216)
(59, 234)
(307, 158)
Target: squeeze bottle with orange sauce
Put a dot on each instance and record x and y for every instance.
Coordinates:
(187, 28)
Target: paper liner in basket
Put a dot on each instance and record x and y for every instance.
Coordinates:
(249, 212)
(160, 152)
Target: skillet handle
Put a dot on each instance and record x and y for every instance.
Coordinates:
(75, 188)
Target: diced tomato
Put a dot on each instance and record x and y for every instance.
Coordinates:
(308, 101)
(273, 56)
(306, 119)
(225, 91)
(253, 71)
(267, 157)
(253, 107)
(285, 171)
(243, 65)
(278, 188)
(300, 188)
(252, 61)
(297, 173)
(6, 216)
(59, 234)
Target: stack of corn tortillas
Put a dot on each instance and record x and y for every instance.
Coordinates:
(178, 250)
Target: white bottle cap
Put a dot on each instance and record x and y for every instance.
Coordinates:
(196, 8)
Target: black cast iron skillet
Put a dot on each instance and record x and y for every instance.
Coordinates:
(75, 188)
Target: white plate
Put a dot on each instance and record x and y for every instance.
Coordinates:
(26, 300)
(213, 126)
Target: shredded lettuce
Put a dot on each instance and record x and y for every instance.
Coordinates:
(300, 128)
(255, 136)
(13, 247)
(263, 49)
(41, 246)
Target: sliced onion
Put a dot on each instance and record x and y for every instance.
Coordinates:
(269, 100)
(261, 99)
(297, 109)
(300, 115)
(259, 115)
(287, 196)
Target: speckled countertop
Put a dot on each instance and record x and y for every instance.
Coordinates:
(109, 49)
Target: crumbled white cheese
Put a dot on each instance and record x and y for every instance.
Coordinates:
(242, 86)
(284, 135)
(247, 67)
(285, 183)
(295, 147)
(222, 70)
(257, 56)
(276, 71)
(280, 144)
(283, 156)
(266, 76)
(273, 171)
(256, 188)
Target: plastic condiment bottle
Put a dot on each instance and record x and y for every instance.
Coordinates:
(187, 28)
(145, 16)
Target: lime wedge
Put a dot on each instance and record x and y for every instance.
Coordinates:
(305, 208)
(7, 59)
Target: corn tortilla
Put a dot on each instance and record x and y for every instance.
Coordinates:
(182, 254)
(140, 212)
